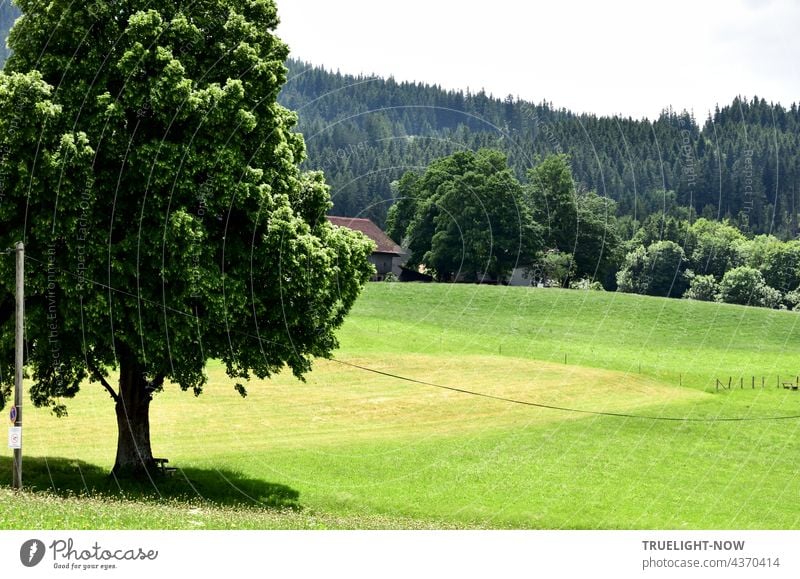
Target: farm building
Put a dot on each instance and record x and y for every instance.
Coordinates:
(387, 257)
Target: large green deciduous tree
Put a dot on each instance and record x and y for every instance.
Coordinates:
(154, 179)
(581, 224)
(553, 199)
(466, 218)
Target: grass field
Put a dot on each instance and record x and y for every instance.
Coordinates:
(355, 449)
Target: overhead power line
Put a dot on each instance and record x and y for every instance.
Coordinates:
(441, 386)
(563, 408)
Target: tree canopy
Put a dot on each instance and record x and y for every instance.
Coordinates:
(719, 262)
(154, 180)
(466, 218)
(577, 223)
(657, 270)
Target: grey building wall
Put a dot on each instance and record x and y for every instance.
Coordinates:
(383, 263)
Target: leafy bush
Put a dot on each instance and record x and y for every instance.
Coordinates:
(770, 298)
(555, 267)
(741, 285)
(586, 284)
(792, 299)
(746, 286)
(703, 288)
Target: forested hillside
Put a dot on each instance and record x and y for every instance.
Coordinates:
(741, 162)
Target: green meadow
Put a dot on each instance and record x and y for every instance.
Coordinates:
(351, 448)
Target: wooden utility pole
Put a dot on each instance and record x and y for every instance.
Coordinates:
(19, 360)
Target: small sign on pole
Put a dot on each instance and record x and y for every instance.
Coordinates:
(15, 437)
(12, 416)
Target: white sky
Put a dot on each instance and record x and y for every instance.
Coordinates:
(632, 57)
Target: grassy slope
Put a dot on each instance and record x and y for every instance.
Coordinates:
(364, 450)
(700, 340)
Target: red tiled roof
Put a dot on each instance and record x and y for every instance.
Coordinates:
(368, 228)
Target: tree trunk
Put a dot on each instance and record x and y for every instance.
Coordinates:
(134, 456)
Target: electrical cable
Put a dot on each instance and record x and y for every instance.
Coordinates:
(451, 388)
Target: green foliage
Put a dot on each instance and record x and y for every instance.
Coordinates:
(749, 269)
(586, 284)
(580, 224)
(745, 286)
(660, 226)
(404, 207)
(598, 245)
(470, 220)
(792, 299)
(754, 251)
(163, 167)
(716, 247)
(781, 266)
(703, 288)
(552, 197)
(658, 270)
(554, 267)
(771, 298)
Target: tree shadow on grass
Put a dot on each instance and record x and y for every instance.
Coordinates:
(68, 477)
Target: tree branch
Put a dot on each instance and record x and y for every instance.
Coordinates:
(156, 383)
(102, 379)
